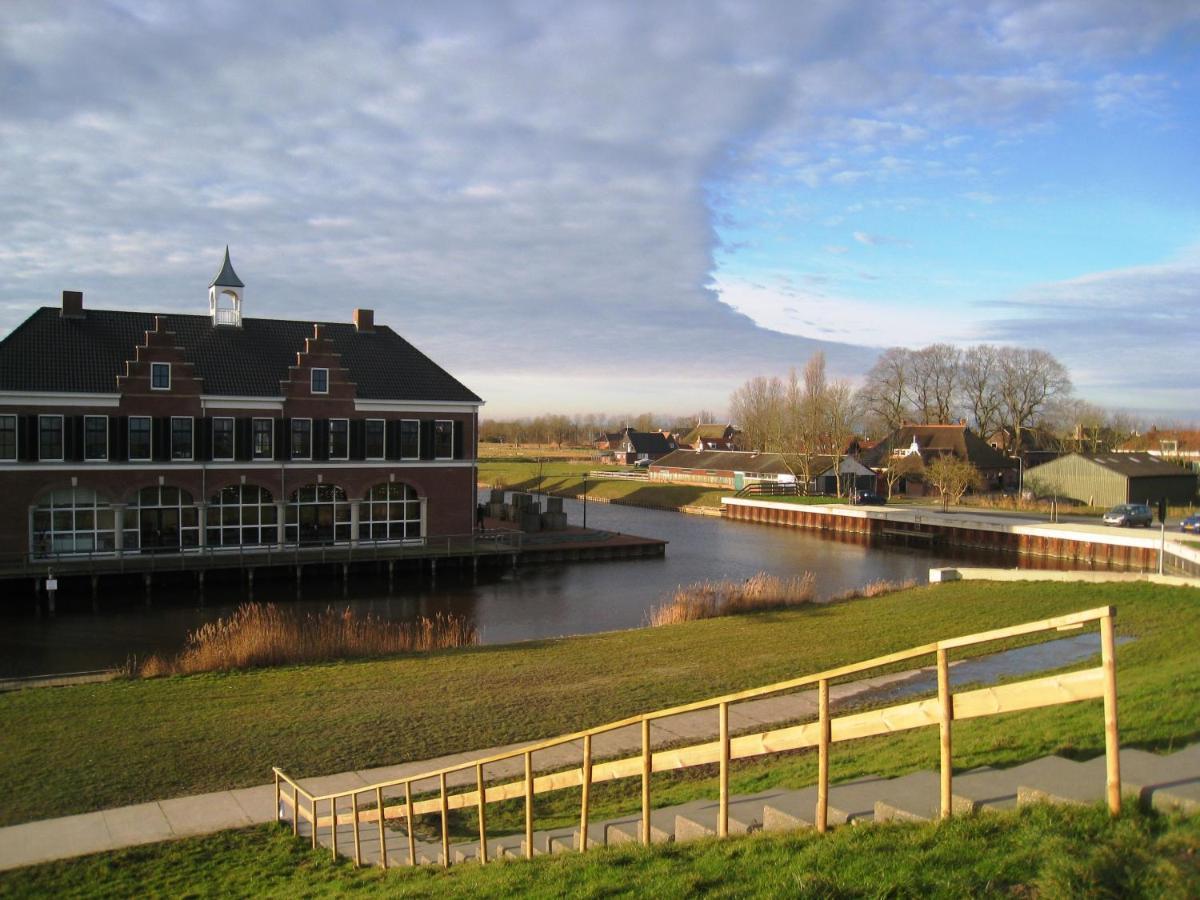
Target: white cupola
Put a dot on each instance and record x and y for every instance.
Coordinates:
(225, 295)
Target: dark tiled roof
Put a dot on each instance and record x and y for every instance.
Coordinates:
(710, 432)
(957, 440)
(1134, 465)
(49, 353)
(649, 441)
(226, 277)
(725, 460)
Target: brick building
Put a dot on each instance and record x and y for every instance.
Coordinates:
(135, 432)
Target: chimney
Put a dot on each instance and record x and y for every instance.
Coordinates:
(72, 307)
(364, 321)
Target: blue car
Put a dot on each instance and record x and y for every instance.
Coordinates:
(1191, 524)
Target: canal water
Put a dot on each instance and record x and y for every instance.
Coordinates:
(533, 602)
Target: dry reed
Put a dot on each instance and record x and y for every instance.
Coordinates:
(875, 589)
(709, 599)
(257, 635)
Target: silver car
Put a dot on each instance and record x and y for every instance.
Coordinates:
(1129, 514)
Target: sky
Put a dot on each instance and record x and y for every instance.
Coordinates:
(622, 207)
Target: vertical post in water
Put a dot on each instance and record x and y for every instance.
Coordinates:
(823, 733)
(723, 811)
(946, 710)
(1112, 744)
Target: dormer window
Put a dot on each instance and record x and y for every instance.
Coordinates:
(319, 382)
(160, 376)
(1169, 446)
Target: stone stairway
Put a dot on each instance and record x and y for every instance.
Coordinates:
(1165, 783)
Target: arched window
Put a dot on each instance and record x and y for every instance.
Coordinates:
(241, 514)
(72, 520)
(390, 512)
(318, 514)
(161, 518)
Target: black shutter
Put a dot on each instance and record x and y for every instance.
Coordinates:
(243, 439)
(283, 446)
(73, 438)
(118, 436)
(459, 431)
(161, 433)
(426, 439)
(393, 438)
(320, 439)
(358, 439)
(28, 438)
(202, 439)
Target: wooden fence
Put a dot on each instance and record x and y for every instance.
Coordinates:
(942, 711)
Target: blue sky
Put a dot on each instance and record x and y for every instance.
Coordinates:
(626, 206)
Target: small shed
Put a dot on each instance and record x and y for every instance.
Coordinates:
(1112, 478)
(854, 477)
(720, 468)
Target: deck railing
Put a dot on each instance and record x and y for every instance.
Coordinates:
(295, 802)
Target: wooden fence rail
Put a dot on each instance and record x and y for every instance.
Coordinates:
(942, 711)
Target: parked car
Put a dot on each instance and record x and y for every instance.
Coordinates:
(1129, 514)
(866, 498)
(1191, 524)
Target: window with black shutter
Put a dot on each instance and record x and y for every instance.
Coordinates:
(393, 439)
(283, 431)
(8, 438)
(243, 439)
(459, 449)
(443, 439)
(376, 442)
(95, 437)
(50, 438)
(223, 439)
(118, 438)
(339, 439)
(410, 439)
(426, 439)
(141, 438)
(264, 438)
(358, 439)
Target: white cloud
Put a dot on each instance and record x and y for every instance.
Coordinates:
(880, 240)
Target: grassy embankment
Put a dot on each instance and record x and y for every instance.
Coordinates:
(566, 479)
(1039, 851)
(88, 747)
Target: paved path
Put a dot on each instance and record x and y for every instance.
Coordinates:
(145, 823)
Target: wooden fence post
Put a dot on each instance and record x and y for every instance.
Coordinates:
(295, 810)
(723, 812)
(333, 825)
(382, 829)
(445, 821)
(946, 710)
(585, 795)
(278, 806)
(823, 733)
(357, 837)
(528, 805)
(1112, 744)
(313, 807)
(482, 814)
(412, 837)
(647, 765)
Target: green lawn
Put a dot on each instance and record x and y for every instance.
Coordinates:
(566, 478)
(1039, 851)
(75, 749)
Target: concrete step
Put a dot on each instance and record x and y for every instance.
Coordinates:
(1057, 780)
(570, 842)
(557, 840)
(854, 801)
(790, 810)
(662, 825)
(745, 816)
(1167, 782)
(917, 797)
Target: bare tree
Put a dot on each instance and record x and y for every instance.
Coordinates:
(907, 466)
(979, 388)
(757, 407)
(884, 394)
(1029, 379)
(952, 477)
(837, 416)
(932, 381)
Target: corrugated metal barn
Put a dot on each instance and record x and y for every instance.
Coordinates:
(1113, 478)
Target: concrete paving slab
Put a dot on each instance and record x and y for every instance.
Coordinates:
(204, 813)
(141, 824)
(332, 784)
(35, 842)
(257, 802)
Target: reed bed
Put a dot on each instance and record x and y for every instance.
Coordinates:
(258, 635)
(875, 589)
(709, 599)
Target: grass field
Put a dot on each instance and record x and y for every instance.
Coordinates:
(1039, 851)
(566, 478)
(89, 747)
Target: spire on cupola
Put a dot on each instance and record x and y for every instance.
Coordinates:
(225, 295)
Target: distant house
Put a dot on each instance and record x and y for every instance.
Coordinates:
(1174, 443)
(711, 436)
(721, 468)
(608, 440)
(1112, 478)
(1035, 447)
(641, 445)
(932, 441)
(853, 474)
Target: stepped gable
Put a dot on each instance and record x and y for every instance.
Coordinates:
(48, 352)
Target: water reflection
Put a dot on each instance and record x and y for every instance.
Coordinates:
(533, 602)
